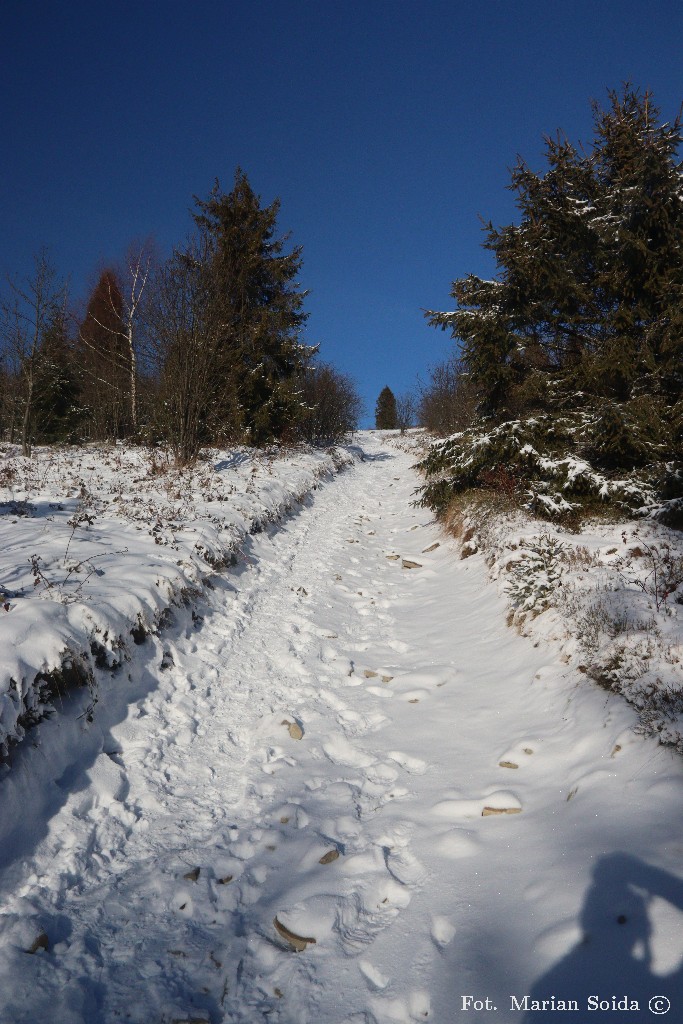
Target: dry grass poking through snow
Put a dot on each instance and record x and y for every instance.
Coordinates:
(97, 542)
(612, 595)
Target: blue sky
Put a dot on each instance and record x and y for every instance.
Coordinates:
(387, 130)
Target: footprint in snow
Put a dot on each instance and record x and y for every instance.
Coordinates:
(362, 915)
(404, 867)
(301, 819)
(380, 691)
(403, 1011)
(442, 931)
(415, 696)
(109, 781)
(374, 977)
(355, 724)
(456, 844)
(276, 758)
(340, 751)
(363, 864)
(499, 802)
(399, 646)
(413, 765)
(382, 773)
(375, 794)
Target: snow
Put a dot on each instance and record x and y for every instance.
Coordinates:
(98, 541)
(495, 814)
(611, 597)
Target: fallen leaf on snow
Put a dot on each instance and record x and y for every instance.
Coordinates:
(298, 942)
(40, 942)
(295, 730)
(500, 810)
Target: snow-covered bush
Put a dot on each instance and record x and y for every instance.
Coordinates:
(611, 597)
(535, 574)
(662, 576)
(551, 465)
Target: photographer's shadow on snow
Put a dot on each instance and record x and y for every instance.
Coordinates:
(614, 961)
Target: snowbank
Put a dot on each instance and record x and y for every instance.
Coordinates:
(96, 543)
(612, 596)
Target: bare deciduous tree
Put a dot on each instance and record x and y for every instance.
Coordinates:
(137, 272)
(333, 404)
(108, 337)
(26, 314)
(447, 402)
(184, 351)
(405, 411)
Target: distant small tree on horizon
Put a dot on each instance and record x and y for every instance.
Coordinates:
(385, 410)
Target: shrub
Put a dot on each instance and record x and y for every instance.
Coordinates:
(333, 405)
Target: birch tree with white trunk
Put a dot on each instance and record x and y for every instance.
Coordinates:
(123, 297)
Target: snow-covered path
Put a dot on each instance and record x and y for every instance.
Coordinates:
(327, 748)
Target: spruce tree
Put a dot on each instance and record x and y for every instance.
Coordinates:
(640, 222)
(256, 311)
(574, 350)
(56, 404)
(385, 410)
(585, 305)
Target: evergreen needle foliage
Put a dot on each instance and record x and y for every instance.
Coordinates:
(385, 410)
(256, 309)
(202, 348)
(574, 352)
